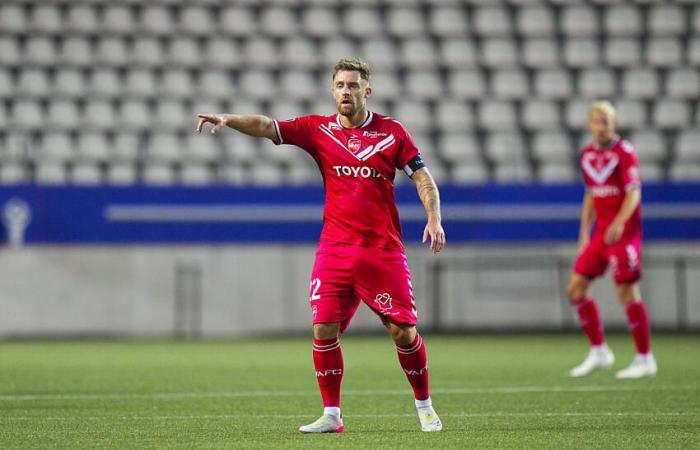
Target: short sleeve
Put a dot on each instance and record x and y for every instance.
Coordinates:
(408, 150)
(295, 132)
(629, 166)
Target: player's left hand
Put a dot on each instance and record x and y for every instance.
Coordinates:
(614, 233)
(218, 120)
(437, 236)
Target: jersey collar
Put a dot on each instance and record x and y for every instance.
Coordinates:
(367, 121)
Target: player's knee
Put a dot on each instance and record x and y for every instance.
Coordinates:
(329, 330)
(627, 293)
(575, 290)
(402, 335)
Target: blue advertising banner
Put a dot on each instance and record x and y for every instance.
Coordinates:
(189, 215)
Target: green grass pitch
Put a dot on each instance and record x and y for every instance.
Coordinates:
(491, 392)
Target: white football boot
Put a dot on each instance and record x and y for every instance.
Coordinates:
(599, 357)
(429, 420)
(643, 365)
(327, 423)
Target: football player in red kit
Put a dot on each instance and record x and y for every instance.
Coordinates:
(360, 256)
(612, 200)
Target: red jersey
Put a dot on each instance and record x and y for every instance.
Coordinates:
(609, 172)
(358, 166)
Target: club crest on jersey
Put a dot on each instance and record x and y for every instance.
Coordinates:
(599, 166)
(354, 144)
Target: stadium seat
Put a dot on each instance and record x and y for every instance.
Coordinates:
(171, 114)
(50, 173)
(33, 83)
(12, 173)
(63, 114)
(333, 49)
(214, 83)
(458, 53)
(381, 53)
(176, 83)
(405, 22)
(683, 172)
(505, 148)
(581, 53)
(687, 148)
(46, 18)
(285, 110)
(120, 173)
(12, 18)
(258, 84)
(86, 173)
(640, 83)
(24, 115)
(266, 174)
(453, 115)
(670, 113)
(666, 19)
(622, 20)
(298, 85)
(134, 115)
(198, 149)
(184, 52)
(541, 53)
(650, 145)
(260, 53)
(631, 114)
(81, 19)
(9, 51)
(238, 21)
(128, 146)
(196, 174)
(220, 52)
(459, 147)
(68, 82)
(553, 84)
(424, 85)
(158, 174)
(623, 52)
(14, 147)
(693, 53)
(117, 18)
(497, 115)
(278, 21)
(164, 147)
(92, 146)
(41, 51)
(651, 172)
(139, 83)
(579, 20)
(468, 173)
(418, 54)
(197, 20)
(98, 114)
(300, 53)
(499, 53)
(232, 174)
(55, 146)
(552, 147)
(104, 83)
(510, 84)
(683, 83)
(301, 174)
(362, 22)
(597, 83)
(320, 22)
(448, 21)
(147, 52)
(386, 86)
(556, 173)
(156, 19)
(415, 115)
(540, 115)
(577, 113)
(535, 20)
(492, 21)
(111, 51)
(664, 52)
(241, 149)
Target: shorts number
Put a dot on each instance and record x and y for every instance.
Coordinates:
(315, 286)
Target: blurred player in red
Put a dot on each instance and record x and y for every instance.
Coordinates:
(361, 254)
(613, 197)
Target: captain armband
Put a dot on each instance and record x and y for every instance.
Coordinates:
(413, 165)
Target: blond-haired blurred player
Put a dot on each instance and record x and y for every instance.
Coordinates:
(612, 199)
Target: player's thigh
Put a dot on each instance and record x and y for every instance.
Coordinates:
(578, 286)
(382, 279)
(626, 261)
(331, 293)
(591, 262)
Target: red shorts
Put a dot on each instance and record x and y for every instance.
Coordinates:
(625, 257)
(345, 274)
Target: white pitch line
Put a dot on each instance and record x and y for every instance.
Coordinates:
(371, 392)
(301, 416)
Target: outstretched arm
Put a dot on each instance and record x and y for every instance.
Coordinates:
(430, 197)
(250, 124)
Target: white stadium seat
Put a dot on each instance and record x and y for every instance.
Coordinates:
(492, 21)
(687, 148)
(405, 22)
(650, 145)
(683, 83)
(664, 52)
(458, 53)
(497, 115)
(535, 20)
(623, 52)
(581, 53)
(510, 84)
(238, 21)
(86, 173)
(361, 22)
(552, 147)
(631, 113)
(540, 115)
(448, 21)
(453, 115)
(553, 84)
(671, 113)
(459, 147)
(622, 20)
(111, 51)
(640, 83)
(579, 20)
(320, 22)
(666, 19)
(499, 53)
(541, 53)
(119, 173)
(278, 21)
(597, 83)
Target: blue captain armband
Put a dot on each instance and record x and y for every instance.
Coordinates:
(413, 165)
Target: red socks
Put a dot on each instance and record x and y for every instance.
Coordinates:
(590, 320)
(639, 325)
(414, 362)
(328, 362)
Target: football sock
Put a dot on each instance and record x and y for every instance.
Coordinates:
(639, 325)
(328, 362)
(590, 320)
(414, 361)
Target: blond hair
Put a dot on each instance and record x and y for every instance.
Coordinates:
(603, 106)
(353, 64)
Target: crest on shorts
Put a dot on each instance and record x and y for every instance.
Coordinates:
(383, 302)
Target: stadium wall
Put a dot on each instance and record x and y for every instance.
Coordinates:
(233, 262)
